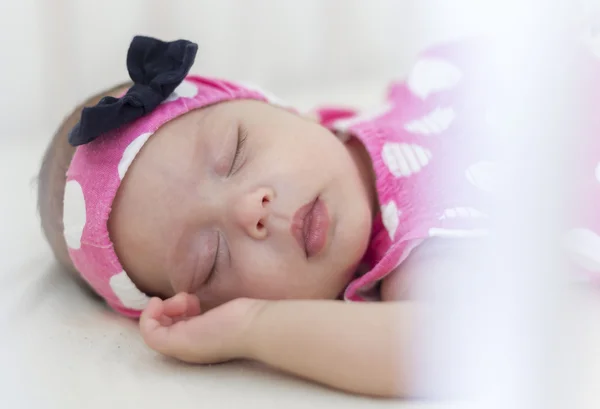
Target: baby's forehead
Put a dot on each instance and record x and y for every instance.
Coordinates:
(169, 168)
(227, 112)
(211, 125)
(201, 123)
(184, 141)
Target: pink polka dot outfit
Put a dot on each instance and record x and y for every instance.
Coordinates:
(431, 175)
(432, 144)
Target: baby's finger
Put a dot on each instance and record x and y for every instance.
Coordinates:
(150, 320)
(176, 306)
(154, 309)
(158, 336)
(193, 305)
(155, 335)
(182, 306)
(164, 339)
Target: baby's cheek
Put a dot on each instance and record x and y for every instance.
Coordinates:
(272, 280)
(248, 281)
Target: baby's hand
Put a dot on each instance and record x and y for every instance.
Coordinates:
(176, 327)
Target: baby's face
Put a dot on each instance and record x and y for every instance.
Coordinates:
(213, 205)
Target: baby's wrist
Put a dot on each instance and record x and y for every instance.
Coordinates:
(258, 329)
(252, 326)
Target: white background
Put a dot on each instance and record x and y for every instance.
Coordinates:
(60, 350)
(56, 53)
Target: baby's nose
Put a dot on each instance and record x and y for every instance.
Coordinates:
(252, 212)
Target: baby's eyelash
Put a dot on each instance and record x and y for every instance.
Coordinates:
(213, 270)
(242, 136)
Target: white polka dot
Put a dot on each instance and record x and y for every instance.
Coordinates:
(583, 247)
(403, 159)
(74, 214)
(391, 218)
(435, 122)
(129, 295)
(483, 175)
(131, 152)
(457, 233)
(184, 90)
(343, 125)
(462, 213)
(432, 75)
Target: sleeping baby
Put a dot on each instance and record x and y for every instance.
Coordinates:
(234, 226)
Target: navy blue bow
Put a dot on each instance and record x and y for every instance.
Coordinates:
(156, 68)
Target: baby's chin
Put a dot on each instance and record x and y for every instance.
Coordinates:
(335, 288)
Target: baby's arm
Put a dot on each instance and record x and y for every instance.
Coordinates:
(365, 348)
(357, 347)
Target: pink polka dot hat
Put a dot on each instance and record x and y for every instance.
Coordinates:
(108, 138)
